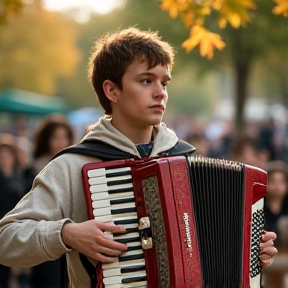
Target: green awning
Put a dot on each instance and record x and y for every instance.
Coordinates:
(24, 102)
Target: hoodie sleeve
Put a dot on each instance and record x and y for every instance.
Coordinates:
(31, 233)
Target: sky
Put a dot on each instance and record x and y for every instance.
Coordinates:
(85, 6)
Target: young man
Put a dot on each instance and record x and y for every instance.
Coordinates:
(129, 70)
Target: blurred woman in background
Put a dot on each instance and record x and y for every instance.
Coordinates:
(12, 188)
(276, 220)
(52, 135)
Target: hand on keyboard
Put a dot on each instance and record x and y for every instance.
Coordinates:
(88, 238)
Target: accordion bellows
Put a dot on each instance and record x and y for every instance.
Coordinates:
(191, 222)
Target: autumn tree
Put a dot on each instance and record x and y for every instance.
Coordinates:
(250, 31)
(36, 47)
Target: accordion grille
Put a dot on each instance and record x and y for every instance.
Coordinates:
(219, 183)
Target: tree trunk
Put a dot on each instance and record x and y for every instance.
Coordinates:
(241, 94)
(284, 89)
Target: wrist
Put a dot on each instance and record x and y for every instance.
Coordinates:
(66, 234)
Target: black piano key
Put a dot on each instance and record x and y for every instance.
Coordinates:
(128, 240)
(132, 248)
(134, 279)
(131, 257)
(123, 210)
(126, 221)
(133, 269)
(116, 174)
(122, 190)
(119, 182)
(123, 200)
(128, 230)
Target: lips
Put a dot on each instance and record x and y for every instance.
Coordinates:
(158, 107)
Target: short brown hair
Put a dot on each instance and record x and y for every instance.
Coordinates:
(277, 166)
(115, 51)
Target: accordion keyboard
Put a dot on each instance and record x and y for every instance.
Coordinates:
(113, 200)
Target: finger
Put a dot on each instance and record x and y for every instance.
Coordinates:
(268, 235)
(266, 244)
(271, 251)
(108, 251)
(108, 243)
(103, 259)
(111, 227)
(266, 262)
(265, 257)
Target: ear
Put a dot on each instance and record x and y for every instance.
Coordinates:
(109, 89)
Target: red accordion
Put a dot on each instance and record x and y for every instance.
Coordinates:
(190, 221)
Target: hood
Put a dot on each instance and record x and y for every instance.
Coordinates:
(103, 130)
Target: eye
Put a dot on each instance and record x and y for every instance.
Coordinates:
(165, 83)
(146, 81)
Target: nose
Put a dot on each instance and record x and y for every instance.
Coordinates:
(160, 91)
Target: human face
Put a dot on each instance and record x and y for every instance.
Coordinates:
(277, 184)
(142, 100)
(59, 140)
(7, 160)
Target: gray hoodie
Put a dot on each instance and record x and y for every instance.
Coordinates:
(30, 234)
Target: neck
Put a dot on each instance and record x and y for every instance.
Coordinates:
(274, 203)
(137, 135)
(7, 171)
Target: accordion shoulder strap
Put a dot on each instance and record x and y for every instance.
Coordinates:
(107, 152)
(97, 149)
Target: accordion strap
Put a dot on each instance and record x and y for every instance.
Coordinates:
(107, 152)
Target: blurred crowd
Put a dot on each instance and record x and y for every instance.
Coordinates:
(260, 144)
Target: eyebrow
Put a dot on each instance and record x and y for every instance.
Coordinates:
(166, 76)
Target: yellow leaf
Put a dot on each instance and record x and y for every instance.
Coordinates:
(234, 19)
(281, 8)
(188, 19)
(174, 7)
(236, 12)
(206, 40)
(222, 22)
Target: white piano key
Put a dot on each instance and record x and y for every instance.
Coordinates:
(119, 279)
(117, 271)
(117, 264)
(111, 218)
(104, 171)
(142, 284)
(133, 252)
(103, 179)
(134, 244)
(125, 236)
(106, 195)
(108, 210)
(107, 202)
(96, 172)
(106, 188)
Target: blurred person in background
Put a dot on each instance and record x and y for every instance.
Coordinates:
(53, 134)
(200, 142)
(276, 220)
(12, 189)
(276, 201)
(249, 150)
